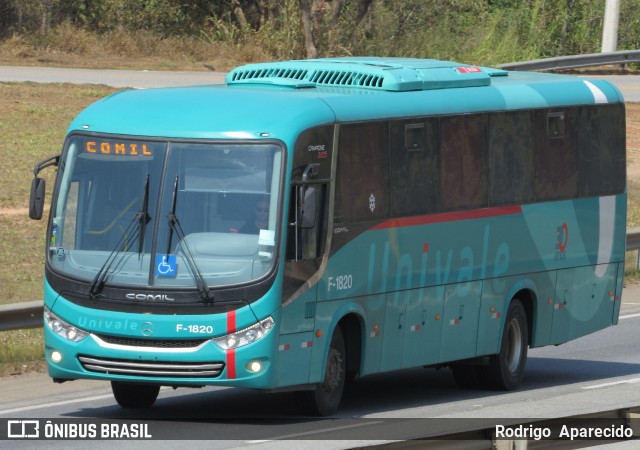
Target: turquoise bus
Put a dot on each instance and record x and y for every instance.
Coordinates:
(311, 222)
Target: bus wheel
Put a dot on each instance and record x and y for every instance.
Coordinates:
(134, 395)
(325, 398)
(506, 369)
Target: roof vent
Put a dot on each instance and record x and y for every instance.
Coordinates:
(386, 74)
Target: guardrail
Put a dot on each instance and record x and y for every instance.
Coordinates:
(576, 61)
(21, 315)
(29, 315)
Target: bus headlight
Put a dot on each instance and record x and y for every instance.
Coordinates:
(62, 328)
(244, 337)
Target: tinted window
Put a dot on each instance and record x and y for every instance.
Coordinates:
(464, 161)
(415, 167)
(602, 150)
(363, 172)
(556, 154)
(510, 158)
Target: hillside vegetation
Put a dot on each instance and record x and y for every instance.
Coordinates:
(219, 35)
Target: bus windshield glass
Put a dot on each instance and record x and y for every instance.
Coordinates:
(152, 213)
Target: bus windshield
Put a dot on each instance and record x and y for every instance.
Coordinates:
(153, 213)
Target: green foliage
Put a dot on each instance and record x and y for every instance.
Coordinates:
(482, 31)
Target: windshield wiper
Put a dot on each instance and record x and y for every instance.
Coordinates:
(129, 235)
(174, 226)
(143, 216)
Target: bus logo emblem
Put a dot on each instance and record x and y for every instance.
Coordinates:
(147, 329)
(563, 240)
(372, 202)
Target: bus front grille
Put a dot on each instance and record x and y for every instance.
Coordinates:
(152, 368)
(154, 343)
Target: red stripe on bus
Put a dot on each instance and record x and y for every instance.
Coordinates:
(448, 217)
(231, 322)
(231, 353)
(231, 364)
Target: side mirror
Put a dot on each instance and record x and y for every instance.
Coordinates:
(308, 208)
(36, 199)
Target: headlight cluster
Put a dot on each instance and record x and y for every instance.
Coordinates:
(62, 328)
(244, 337)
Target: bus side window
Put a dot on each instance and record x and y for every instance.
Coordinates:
(414, 166)
(510, 158)
(464, 161)
(556, 154)
(602, 150)
(362, 175)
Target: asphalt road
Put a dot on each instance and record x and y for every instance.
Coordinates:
(115, 78)
(628, 84)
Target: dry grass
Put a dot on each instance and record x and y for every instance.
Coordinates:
(68, 46)
(33, 121)
(21, 351)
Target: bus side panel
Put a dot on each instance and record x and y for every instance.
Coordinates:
(298, 315)
(496, 295)
(460, 321)
(584, 302)
(413, 328)
(492, 308)
(294, 358)
(370, 311)
(393, 330)
(618, 294)
(374, 306)
(423, 332)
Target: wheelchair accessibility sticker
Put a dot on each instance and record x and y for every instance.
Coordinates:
(165, 265)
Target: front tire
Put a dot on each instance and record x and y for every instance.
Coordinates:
(135, 395)
(506, 369)
(325, 399)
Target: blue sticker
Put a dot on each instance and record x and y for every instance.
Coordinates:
(165, 265)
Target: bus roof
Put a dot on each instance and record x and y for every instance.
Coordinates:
(278, 100)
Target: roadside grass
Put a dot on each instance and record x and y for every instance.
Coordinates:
(21, 351)
(70, 46)
(632, 274)
(33, 122)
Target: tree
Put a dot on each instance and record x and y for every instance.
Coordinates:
(321, 16)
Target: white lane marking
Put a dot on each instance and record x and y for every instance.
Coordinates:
(309, 433)
(629, 316)
(52, 404)
(613, 383)
(64, 402)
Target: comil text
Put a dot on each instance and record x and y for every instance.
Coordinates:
(118, 148)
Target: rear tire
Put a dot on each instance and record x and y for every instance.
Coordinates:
(135, 395)
(325, 399)
(506, 369)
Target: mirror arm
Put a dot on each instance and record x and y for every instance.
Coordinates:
(309, 171)
(52, 161)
